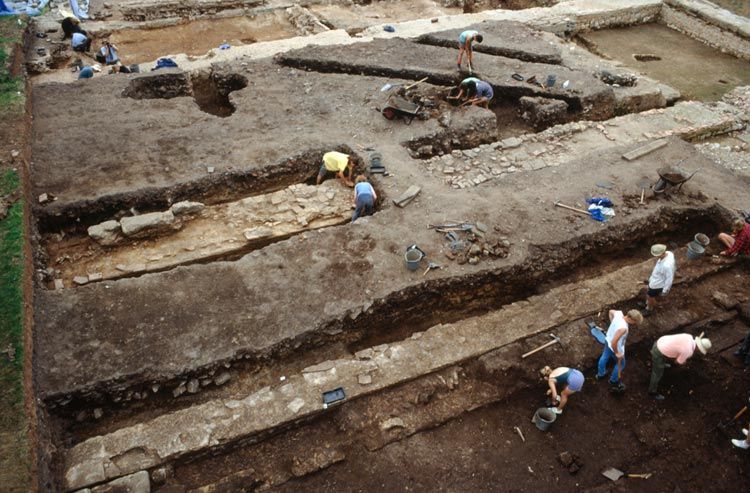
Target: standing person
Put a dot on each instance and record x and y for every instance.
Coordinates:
(562, 382)
(364, 198)
(614, 349)
(677, 347)
(738, 243)
(337, 163)
(465, 40)
(662, 276)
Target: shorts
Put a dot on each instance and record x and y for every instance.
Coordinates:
(653, 293)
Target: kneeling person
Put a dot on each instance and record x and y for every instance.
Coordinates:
(364, 198)
(337, 163)
(482, 94)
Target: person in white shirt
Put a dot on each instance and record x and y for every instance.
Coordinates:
(661, 278)
(614, 349)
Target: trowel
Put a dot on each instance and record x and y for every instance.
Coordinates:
(614, 474)
(643, 184)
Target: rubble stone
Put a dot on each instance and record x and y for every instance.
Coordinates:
(148, 224)
(106, 233)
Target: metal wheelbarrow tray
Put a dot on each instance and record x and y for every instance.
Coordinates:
(396, 105)
(672, 176)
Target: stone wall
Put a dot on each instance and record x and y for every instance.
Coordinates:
(706, 31)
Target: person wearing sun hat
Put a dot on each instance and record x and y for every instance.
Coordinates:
(677, 347)
(662, 276)
(562, 382)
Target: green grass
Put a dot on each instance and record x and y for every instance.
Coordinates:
(11, 88)
(11, 289)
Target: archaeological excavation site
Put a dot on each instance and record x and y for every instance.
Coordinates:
(331, 245)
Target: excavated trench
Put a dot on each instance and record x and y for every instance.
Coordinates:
(394, 318)
(434, 399)
(213, 188)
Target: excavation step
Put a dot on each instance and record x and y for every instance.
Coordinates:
(170, 150)
(219, 423)
(563, 143)
(588, 96)
(202, 233)
(505, 38)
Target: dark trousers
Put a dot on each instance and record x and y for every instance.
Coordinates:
(364, 206)
(658, 364)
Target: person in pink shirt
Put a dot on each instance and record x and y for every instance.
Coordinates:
(677, 347)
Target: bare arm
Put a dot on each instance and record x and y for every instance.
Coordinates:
(616, 342)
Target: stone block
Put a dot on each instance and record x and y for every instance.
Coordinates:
(258, 233)
(106, 233)
(406, 197)
(543, 112)
(134, 483)
(186, 207)
(149, 224)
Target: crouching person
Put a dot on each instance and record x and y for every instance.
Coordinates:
(364, 198)
(563, 382)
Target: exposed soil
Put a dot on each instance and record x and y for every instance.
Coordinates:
(198, 37)
(696, 70)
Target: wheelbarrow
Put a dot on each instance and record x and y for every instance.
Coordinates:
(395, 106)
(671, 176)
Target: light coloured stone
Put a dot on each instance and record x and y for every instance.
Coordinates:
(147, 224)
(81, 280)
(258, 233)
(186, 207)
(106, 233)
(296, 405)
(134, 483)
(392, 423)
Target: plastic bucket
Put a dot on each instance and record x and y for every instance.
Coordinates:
(413, 257)
(702, 240)
(543, 418)
(695, 250)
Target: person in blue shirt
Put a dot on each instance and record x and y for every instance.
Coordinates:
(80, 42)
(464, 89)
(480, 94)
(364, 198)
(465, 40)
(86, 73)
(108, 54)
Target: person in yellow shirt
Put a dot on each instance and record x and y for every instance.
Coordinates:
(337, 163)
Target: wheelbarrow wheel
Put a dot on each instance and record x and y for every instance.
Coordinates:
(389, 113)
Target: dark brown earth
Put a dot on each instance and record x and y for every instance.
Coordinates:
(480, 451)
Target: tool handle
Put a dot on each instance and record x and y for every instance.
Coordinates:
(742, 411)
(641, 476)
(538, 349)
(580, 211)
(415, 84)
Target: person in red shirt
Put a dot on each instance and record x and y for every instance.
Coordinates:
(738, 243)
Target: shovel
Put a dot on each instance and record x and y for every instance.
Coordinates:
(430, 266)
(614, 474)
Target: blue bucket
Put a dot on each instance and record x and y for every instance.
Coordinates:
(695, 250)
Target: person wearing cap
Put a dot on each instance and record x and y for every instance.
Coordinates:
(336, 163)
(614, 349)
(562, 382)
(678, 348)
(465, 40)
(738, 243)
(662, 276)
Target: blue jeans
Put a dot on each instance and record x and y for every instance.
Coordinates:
(364, 206)
(604, 360)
